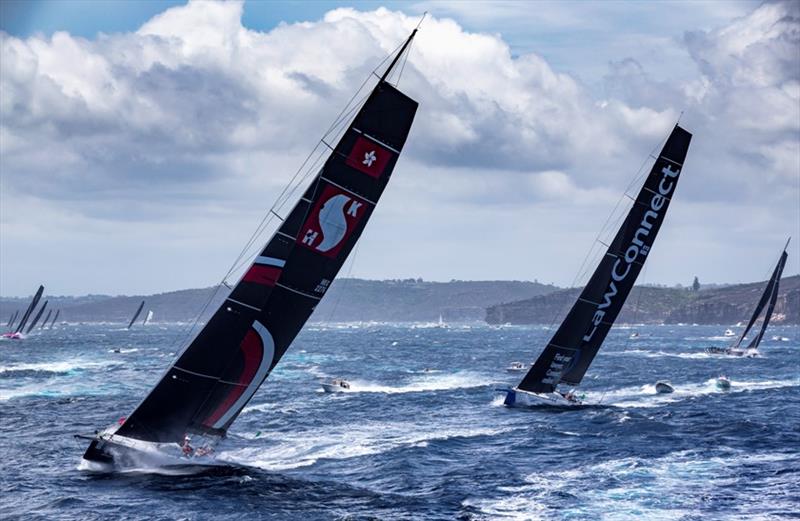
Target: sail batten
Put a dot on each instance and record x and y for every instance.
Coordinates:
(567, 356)
(219, 371)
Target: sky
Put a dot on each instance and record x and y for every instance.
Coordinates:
(141, 143)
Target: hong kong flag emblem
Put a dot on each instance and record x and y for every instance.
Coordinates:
(368, 157)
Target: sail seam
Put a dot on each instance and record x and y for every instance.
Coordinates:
(665, 158)
(297, 291)
(194, 373)
(378, 141)
(349, 191)
(243, 304)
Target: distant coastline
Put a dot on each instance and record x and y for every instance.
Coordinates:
(415, 300)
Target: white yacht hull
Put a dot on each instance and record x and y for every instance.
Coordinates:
(518, 398)
(333, 388)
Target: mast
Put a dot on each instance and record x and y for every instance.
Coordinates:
(774, 282)
(28, 311)
(136, 315)
(219, 371)
(46, 318)
(567, 356)
(58, 312)
(38, 316)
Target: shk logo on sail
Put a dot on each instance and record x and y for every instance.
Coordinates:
(369, 157)
(332, 221)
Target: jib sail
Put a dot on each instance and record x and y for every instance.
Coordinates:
(576, 342)
(218, 373)
(38, 316)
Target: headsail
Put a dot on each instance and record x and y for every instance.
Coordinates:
(46, 318)
(30, 309)
(136, 315)
(772, 292)
(221, 369)
(576, 342)
(148, 317)
(38, 316)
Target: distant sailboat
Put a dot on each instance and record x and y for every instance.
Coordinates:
(768, 300)
(148, 317)
(576, 342)
(46, 318)
(12, 319)
(36, 319)
(136, 315)
(214, 377)
(17, 333)
(58, 312)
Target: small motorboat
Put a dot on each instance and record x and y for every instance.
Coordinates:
(778, 338)
(664, 387)
(729, 332)
(634, 335)
(337, 385)
(723, 383)
(516, 367)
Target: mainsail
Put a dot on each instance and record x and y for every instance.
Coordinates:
(770, 295)
(46, 318)
(148, 317)
(30, 309)
(38, 316)
(58, 312)
(220, 370)
(576, 342)
(136, 315)
(12, 319)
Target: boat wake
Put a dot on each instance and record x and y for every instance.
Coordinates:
(428, 382)
(646, 396)
(306, 448)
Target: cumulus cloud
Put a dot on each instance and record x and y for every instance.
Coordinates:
(195, 118)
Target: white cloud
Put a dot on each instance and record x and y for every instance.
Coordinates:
(194, 122)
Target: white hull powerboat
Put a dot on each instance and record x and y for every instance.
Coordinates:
(336, 386)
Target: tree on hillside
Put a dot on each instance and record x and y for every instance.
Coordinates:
(696, 284)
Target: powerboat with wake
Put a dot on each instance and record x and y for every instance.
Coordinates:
(567, 356)
(664, 387)
(337, 385)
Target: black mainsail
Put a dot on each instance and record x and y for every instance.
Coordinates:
(30, 309)
(136, 315)
(12, 319)
(576, 342)
(58, 312)
(219, 371)
(46, 318)
(768, 298)
(36, 319)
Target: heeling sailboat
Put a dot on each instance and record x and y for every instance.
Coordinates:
(204, 391)
(58, 312)
(12, 319)
(567, 356)
(46, 318)
(17, 333)
(36, 319)
(148, 317)
(136, 315)
(768, 300)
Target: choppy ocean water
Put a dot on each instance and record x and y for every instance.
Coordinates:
(423, 435)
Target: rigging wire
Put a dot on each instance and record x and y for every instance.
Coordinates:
(245, 255)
